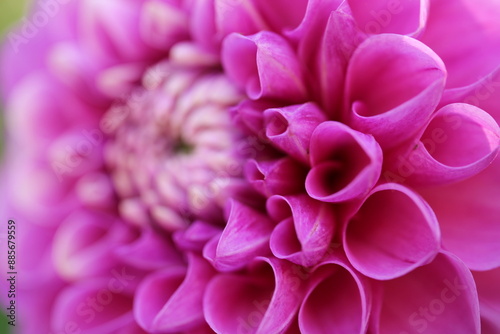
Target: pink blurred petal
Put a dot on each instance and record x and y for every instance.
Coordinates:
(95, 306)
(393, 232)
(195, 236)
(345, 163)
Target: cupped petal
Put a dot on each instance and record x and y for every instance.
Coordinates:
(306, 229)
(393, 232)
(472, 34)
(264, 300)
(346, 163)
(169, 302)
(489, 299)
(282, 176)
(390, 16)
(459, 142)
(469, 217)
(85, 242)
(265, 65)
(95, 307)
(437, 298)
(338, 300)
(393, 85)
(245, 236)
(290, 128)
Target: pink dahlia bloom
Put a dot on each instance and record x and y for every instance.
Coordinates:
(252, 167)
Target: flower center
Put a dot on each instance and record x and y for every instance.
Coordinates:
(172, 151)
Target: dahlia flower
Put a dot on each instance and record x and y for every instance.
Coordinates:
(252, 166)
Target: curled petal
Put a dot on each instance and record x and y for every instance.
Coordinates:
(338, 300)
(245, 236)
(95, 307)
(390, 16)
(276, 177)
(290, 128)
(448, 298)
(460, 141)
(84, 244)
(304, 237)
(265, 300)
(469, 214)
(345, 163)
(264, 65)
(171, 300)
(393, 85)
(280, 16)
(393, 232)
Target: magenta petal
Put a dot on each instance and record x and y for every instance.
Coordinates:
(460, 141)
(265, 300)
(169, 302)
(338, 300)
(284, 176)
(393, 232)
(162, 24)
(489, 299)
(281, 15)
(390, 16)
(468, 214)
(264, 65)
(305, 237)
(94, 307)
(345, 163)
(434, 299)
(245, 236)
(290, 128)
(393, 85)
(239, 16)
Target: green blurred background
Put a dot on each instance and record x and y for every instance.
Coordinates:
(10, 12)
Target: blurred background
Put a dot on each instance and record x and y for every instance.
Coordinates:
(10, 12)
